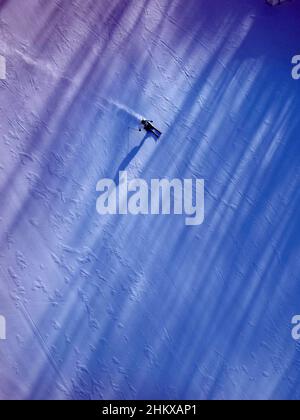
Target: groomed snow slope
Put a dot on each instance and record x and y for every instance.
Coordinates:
(144, 307)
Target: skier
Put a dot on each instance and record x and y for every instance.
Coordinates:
(149, 127)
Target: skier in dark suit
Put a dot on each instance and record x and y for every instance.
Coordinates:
(149, 127)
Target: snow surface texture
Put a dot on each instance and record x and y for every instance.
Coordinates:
(145, 307)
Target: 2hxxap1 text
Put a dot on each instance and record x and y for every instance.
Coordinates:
(137, 409)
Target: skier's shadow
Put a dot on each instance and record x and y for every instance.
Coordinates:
(129, 158)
